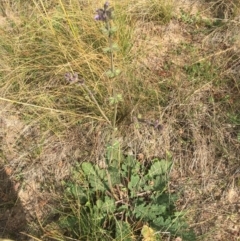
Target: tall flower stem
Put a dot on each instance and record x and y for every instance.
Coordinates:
(110, 42)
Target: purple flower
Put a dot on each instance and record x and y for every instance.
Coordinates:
(73, 78)
(101, 15)
(104, 14)
(106, 5)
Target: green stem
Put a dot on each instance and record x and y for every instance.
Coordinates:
(110, 42)
(111, 186)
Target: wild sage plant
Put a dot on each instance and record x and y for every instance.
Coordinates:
(125, 191)
(104, 15)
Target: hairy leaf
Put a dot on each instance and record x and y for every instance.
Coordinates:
(88, 168)
(159, 168)
(123, 231)
(108, 206)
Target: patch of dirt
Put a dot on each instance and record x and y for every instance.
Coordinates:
(36, 162)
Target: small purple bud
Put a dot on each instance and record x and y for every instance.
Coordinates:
(73, 78)
(100, 16)
(68, 76)
(97, 18)
(106, 5)
(104, 14)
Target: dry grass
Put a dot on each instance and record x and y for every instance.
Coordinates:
(181, 68)
(225, 9)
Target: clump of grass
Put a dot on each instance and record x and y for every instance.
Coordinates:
(153, 10)
(53, 49)
(226, 9)
(52, 41)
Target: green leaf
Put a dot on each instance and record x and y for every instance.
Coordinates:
(148, 188)
(168, 222)
(107, 50)
(159, 168)
(131, 161)
(113, 29)
(115, 99)
(154, 211)
(96, 176)
(97, 213)
(179, 214)
(68, 222)
(108, 206)
(117, 72)
(159, 183)
(124, 168)
(123, 208)
(114, 154)
(133, 182)
(110, 74)
(114, 175)
(98, 184)
(123, 231)
(157, 209)
(112, 100)
(133, 185)
(119, 97)
(99, 203)
(88, 168)
(105, 31)
(143, 183)
(114, 47)
(159, 221)
(79, 193)
(140, 211)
